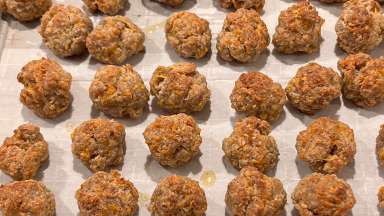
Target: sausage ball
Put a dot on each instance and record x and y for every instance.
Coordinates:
(319, 194)
(46, 88)
(299, 29)
(114, 40)
(172, 3)
(243, 37)
(22, 154)
(333, 1)
(188, 34)
(105, 194)
(360, 26)
(109, 7)
(380, 145)
(119, 92)
(247, 4)
(173, 140)
(178, 196)
(252, 193)
(251, 145)
(64, 30)
(256, 94)
(27, 197)
(180, 88)
(25, 10)
(313, 88)
(327, 145)
(99, 144)
(380, 197)
(363, 79)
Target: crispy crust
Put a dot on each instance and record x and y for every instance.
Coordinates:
(380, 145)
(247, 4)
(380, 197)
(109, 7)
(25, 10)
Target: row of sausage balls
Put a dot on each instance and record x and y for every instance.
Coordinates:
(67, 31)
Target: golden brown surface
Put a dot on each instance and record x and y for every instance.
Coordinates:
(105, 194)
(119, 92)
(327, 145)
(252, 193)
(178, 196)
(256, 94)
(99, 144)
(64, 29)
(22, 154)
(46, 88)
(110, 7)
(363, 79)
(319, 194)
(251, 145)
(333, 1)
(172, 3)
(25, 10)
(26, 198)
(380, 145)
(313, 88)
(299, 29)
(247, 4)
(380, 197)
(188, 34)
(173, 140)
(114, 40)
(180, 88)
(243, 37)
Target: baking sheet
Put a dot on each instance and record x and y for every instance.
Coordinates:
(63, 174)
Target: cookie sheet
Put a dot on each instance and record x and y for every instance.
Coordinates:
(63, 173)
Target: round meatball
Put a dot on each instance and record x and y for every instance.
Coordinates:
(119, 92)
(252, 193)
(251, 145)
(105, 194)
(110, 7)
(188, 34)
(180, 88)
(178, 196)
(313, 88)
(380, 197)
(27, 197)
(380, 145)
(363, 79)
(25, 10)
(64, 30)
(247, 4)
(327, 145)
(360, 26)
(173, 140)
(114, 40)
(172, 3)
(46, 88)
(243, 37)
(99, 144)
(299, 29)
(319, 194)
(22, 154)
(256, 94)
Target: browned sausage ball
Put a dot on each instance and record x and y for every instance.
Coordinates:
(115, 39)
(119, 91)
(64, 29)
(25, 10)
(26, 198)
(380, 145)
(188, 34)
(110, 7)
(248, 4)
(180, 88)
(327, 145)
(333, 1)
(256, 94)
(380, 197)
(173, 140)
(243, 37)
(360, 26)
(22, 154)
(251, 145)
(99, 144)
(363, 79)
(172, 3)
(178, 196)
(319, 194)
(299, 29)
(313, 88)
(105, 194)
(46, 88)
(252, 193)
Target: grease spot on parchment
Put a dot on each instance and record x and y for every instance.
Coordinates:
(208, 178)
